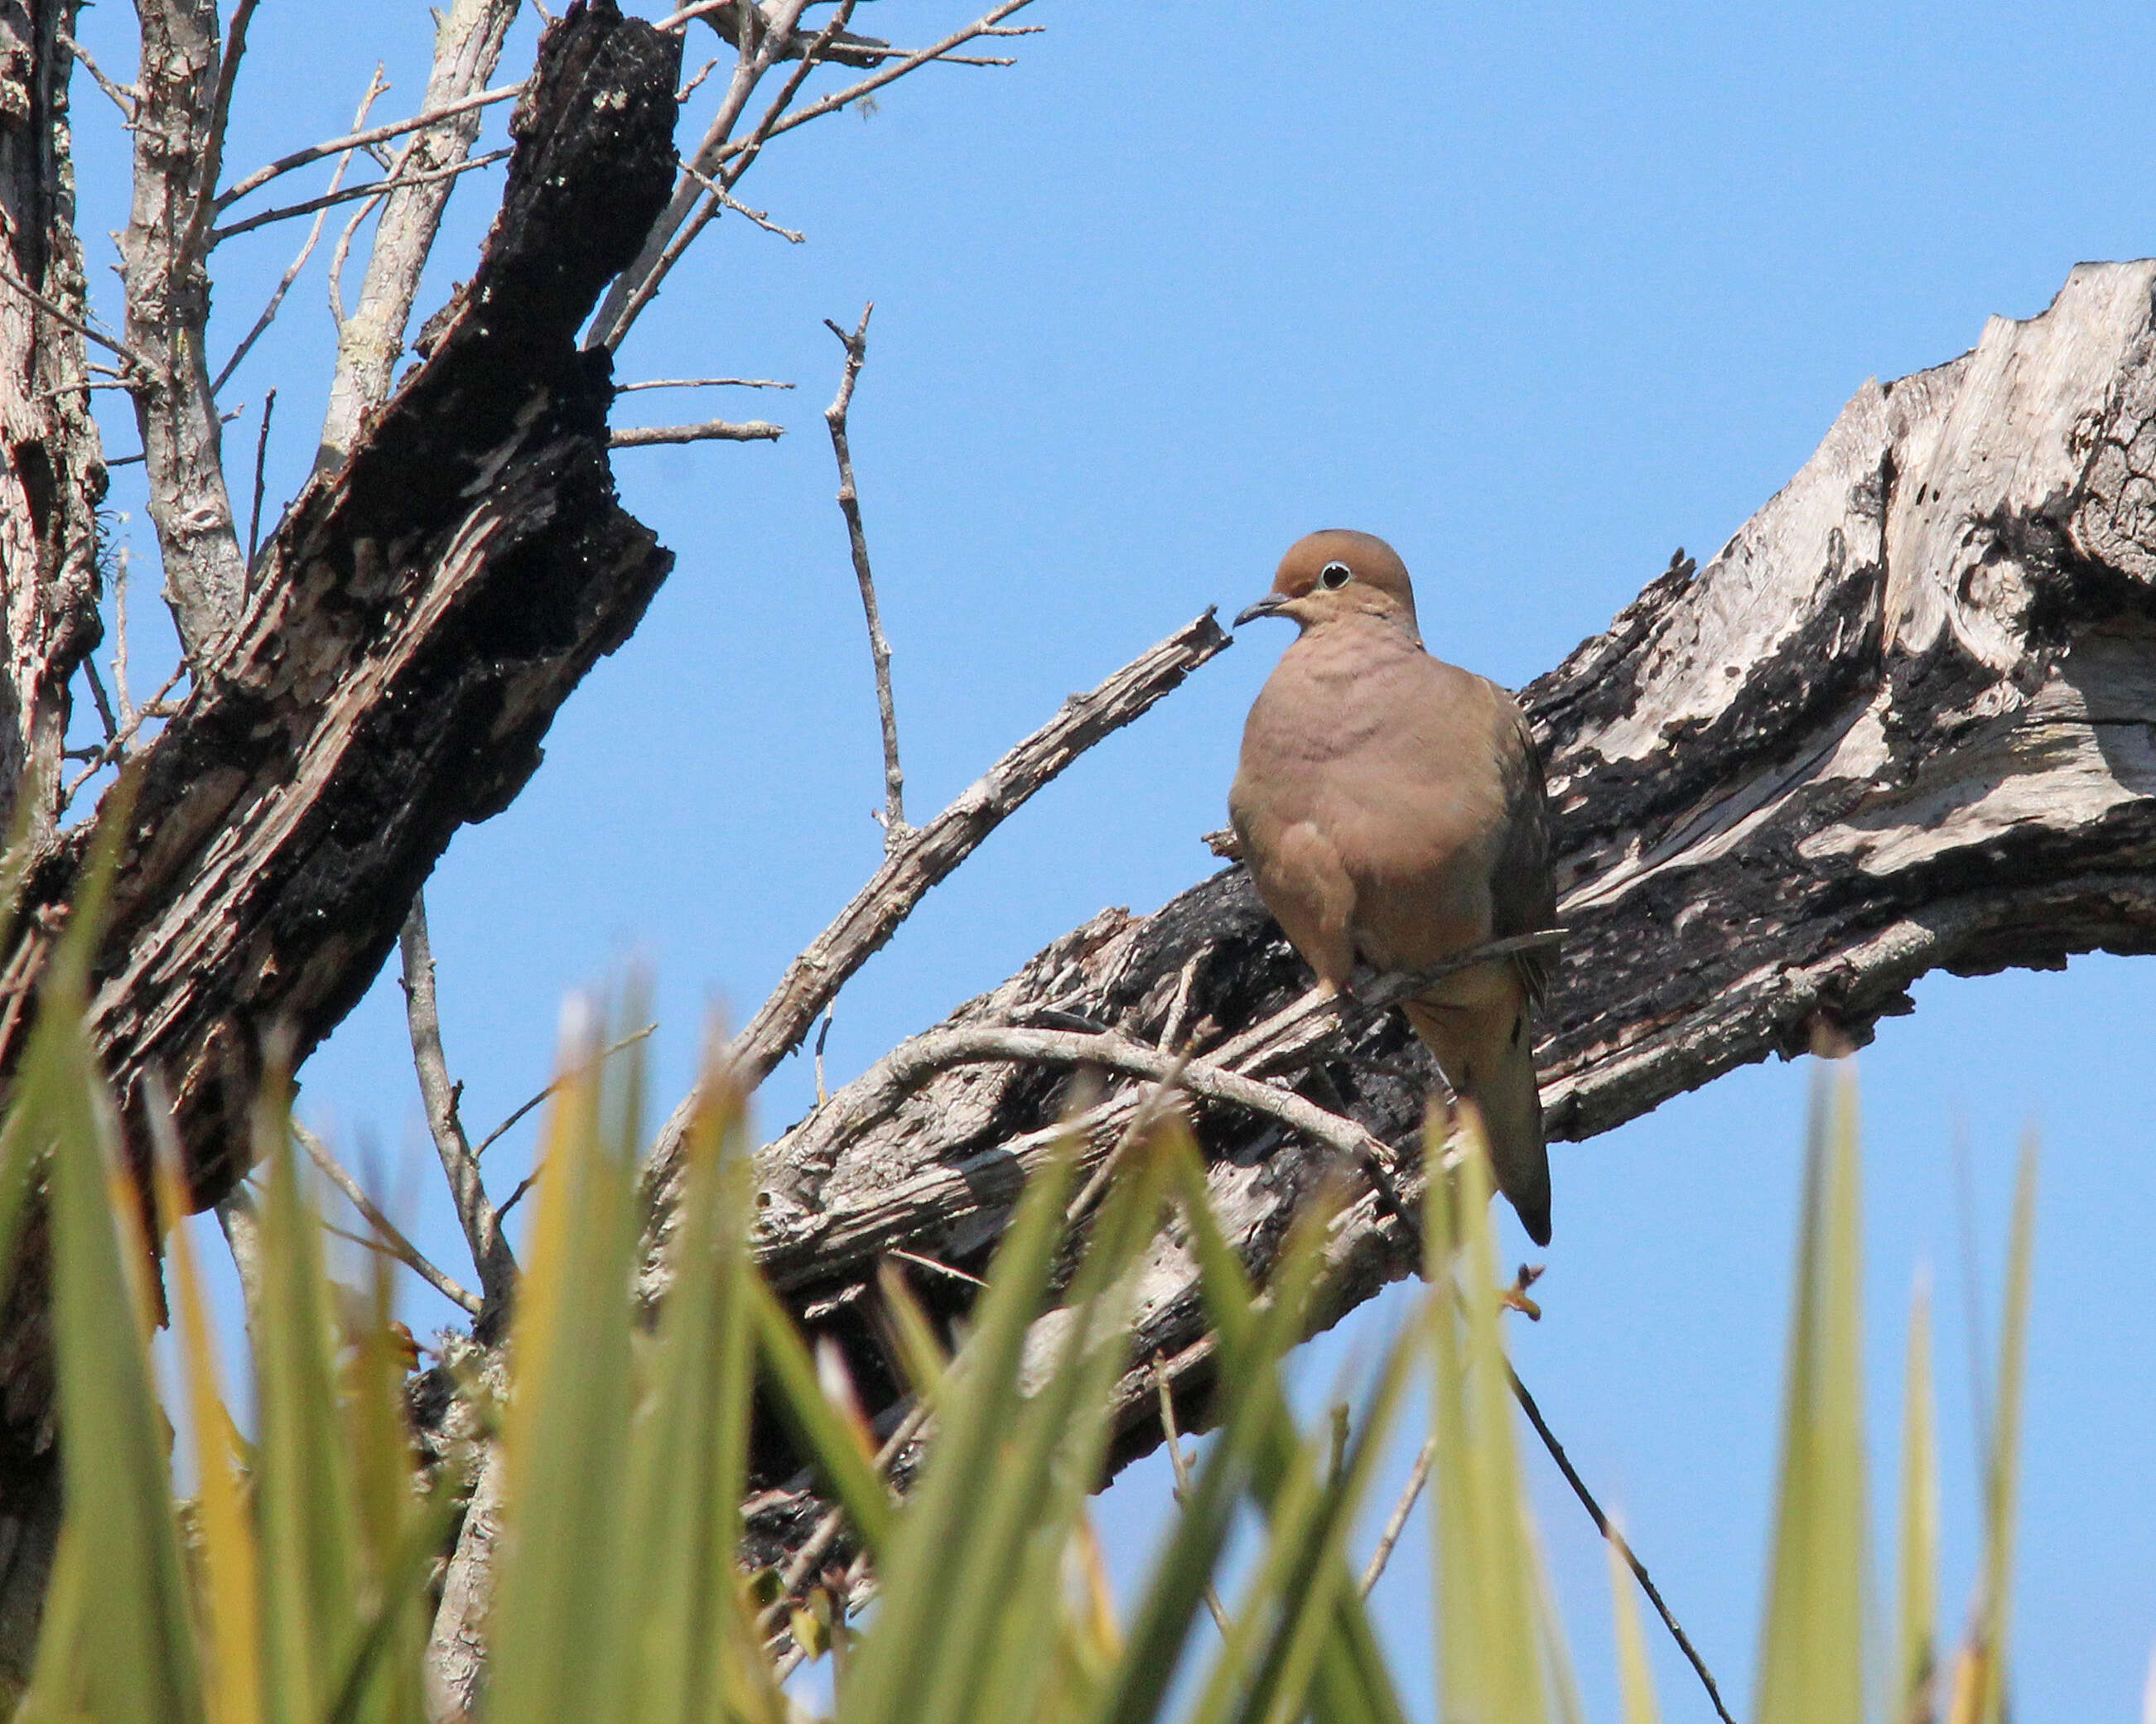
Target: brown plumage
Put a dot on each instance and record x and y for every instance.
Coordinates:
(1390, 808)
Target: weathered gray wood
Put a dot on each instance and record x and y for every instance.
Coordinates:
(1902, 721)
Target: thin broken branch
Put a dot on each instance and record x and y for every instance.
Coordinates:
(167, 315)
(347, 194)
(702, 383)
(359, 140)
(490, 1252)
(927, 856)
(984, 26)
(710, 431)
(392, 1239)
(1608, 1531)
(636, 285)
(606, 1053)
(856, 345)
(1396, 1522)
(374, 89)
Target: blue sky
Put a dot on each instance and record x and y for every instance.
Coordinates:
(1539, 292)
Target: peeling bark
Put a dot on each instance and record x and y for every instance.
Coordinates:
(1904, 721)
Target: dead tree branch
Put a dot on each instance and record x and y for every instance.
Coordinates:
(52, 467)
(1900, 723)
(856, 345)
(403, 180)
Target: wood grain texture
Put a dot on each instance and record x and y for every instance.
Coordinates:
(1904, 721)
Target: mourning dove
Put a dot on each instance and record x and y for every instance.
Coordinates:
(1390, 809)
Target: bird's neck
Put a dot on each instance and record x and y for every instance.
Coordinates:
(1355, 642)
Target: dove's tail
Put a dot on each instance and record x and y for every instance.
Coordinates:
(1486, 1053)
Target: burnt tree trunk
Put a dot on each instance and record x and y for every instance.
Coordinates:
(1904, 721)
(52, 478)
(406, 640)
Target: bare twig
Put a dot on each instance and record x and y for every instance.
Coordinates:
(856, 345)
(155, 708)
(241, 1229)
(933, 850)
(1397, 1522)
(690, 88)
(359, 141)
(339, 254)
(761, 218)
(261, 461)
(402, 1248)
(984, 26)
(375, 86)
(100, 700)
(136, 364)
(710, 431)
(635, 287)
(813, 980)
(931, 1264)
(1182, 1468)
(804, 1561)
(680, 20)
(1604, 1525)
(702, 383)
(605, 1054)
(467, 48)
(372, 188)
(516, 1197)
(823, 1036)
(123, 95)
(220, 115)
(490, 1250)
(121, 560)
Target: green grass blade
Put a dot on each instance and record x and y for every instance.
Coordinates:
(1987, 1652)
(695, 1654)
(558, 1619)
(1916, 1656)
(138, 1652)
(229, 1585)
(305, 1500)
(1635, 1675)
(1003, 1616)
(902, 1657)
(1495, 1644)
(1811, 1666)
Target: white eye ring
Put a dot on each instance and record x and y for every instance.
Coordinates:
(1334, 576)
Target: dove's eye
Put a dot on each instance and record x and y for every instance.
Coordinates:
(1334, 576)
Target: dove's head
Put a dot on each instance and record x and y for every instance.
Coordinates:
(1337, 573)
